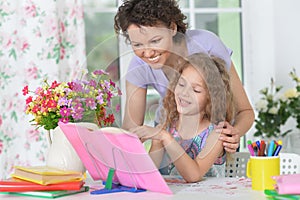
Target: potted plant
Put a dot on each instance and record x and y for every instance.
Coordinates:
(80, 100)
(293, 96)
(72, 101)
(273, 112)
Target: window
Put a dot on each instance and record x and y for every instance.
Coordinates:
(223, 17)
(101, 43)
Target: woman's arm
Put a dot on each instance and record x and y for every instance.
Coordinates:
(244, 112)
(244, 115)
(135, 106)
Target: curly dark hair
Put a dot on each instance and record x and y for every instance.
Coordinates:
(149, 13)
(220, 105)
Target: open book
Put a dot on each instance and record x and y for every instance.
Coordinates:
(114, 148)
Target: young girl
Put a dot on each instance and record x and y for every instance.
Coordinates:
(186, 142)
(159, 36)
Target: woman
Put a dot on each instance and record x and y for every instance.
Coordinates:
(159, 38)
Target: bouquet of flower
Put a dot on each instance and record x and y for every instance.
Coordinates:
(78, 100)
(273, 112)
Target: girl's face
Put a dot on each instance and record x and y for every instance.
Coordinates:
(152, 44)
(191, 94)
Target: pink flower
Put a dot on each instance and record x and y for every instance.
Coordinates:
(32, 72)
(31, 10)
(90, 102)
(71, 101)
(25, 90)
(64, 111)
(1, 146)
(118, 108)
(64, 120)
(28, 100)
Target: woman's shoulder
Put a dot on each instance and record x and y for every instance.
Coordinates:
(202, 40)
(200, 34)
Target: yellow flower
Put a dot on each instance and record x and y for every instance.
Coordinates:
(291, 93)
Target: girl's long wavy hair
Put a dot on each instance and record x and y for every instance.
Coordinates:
(220, 106)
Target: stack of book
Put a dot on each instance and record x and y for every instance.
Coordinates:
(43, 181)
(287, 187)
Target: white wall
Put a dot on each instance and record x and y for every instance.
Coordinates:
(271, 43)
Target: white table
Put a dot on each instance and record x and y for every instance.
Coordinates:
(210, 188)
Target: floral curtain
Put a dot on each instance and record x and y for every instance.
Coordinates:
(38, 40)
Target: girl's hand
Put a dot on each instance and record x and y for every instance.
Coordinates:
(147, 132)
(229, 135)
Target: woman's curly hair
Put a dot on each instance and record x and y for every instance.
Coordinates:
(149, 13)
(220, 105)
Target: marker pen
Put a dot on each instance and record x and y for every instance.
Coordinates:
(258, 144)
(278, 148)
(262, 148)
(250, 148)
(271, 148)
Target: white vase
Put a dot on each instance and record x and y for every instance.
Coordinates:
(61, 153)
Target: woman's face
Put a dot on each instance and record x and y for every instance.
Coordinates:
(191, 94)
(152, 44)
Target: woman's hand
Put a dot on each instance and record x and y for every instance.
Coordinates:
(229, 135)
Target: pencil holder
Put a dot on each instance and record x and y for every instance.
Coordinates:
(261, 170)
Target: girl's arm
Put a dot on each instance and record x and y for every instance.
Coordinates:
(155, 134)
(193, 170)
(156, 152)
(135, 106)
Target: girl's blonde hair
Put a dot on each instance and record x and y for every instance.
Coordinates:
(220, 105)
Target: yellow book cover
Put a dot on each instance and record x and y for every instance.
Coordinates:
(45, 175)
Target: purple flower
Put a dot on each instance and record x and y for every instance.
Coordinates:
(109, 95)
(77, 86)
(93, 83)
(112, 83)
(90, 103)
(118, 108)
(63, 101)
(100, 98)
(65, 112)
(64, 119)
(77, 115)
(100, 72)
(107, 84)
(77, 111)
